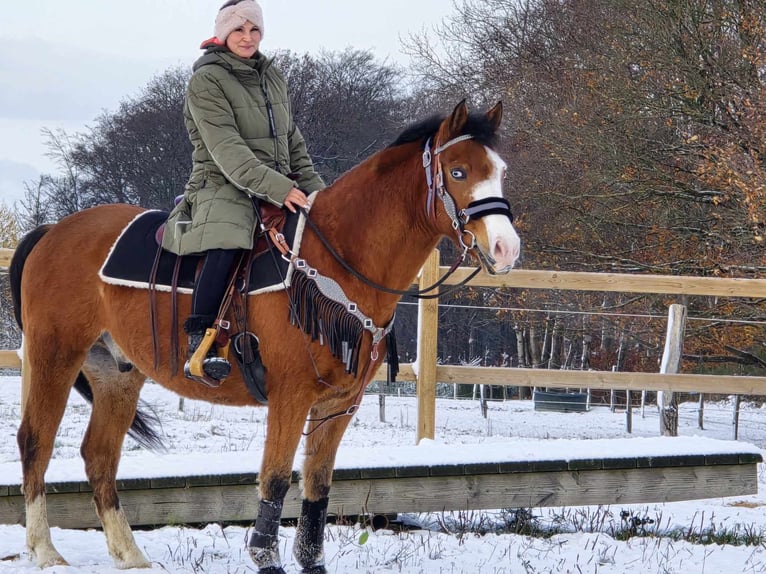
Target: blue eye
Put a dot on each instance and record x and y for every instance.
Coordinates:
(457, 173)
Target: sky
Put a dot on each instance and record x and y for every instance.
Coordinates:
(230, 439)
(64, 62)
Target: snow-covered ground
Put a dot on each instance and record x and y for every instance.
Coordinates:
(590, 542)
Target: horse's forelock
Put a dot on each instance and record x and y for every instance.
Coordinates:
(478, 125)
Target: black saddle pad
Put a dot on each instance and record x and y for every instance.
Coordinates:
(132, 257)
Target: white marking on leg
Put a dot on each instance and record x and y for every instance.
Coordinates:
(39, 535)
(120, 542)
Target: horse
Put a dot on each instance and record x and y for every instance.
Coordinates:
(381, 220)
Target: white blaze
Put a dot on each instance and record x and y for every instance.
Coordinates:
(504, 244)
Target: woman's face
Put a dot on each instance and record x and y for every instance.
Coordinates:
(244, 41)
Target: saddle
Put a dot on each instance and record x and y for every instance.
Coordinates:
(137, 260)
(133, 262)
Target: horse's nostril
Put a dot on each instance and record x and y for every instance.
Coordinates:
(501, 251)
(505, 253)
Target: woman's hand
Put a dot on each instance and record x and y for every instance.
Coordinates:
(295, 199)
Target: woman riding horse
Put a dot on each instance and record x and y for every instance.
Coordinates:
(382, 219)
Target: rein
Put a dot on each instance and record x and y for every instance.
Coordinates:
(418, 294)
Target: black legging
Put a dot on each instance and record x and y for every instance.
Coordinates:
(212, 281)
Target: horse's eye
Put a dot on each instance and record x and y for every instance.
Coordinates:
(457, 173)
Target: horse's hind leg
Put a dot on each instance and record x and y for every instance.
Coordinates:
(320, 450)
(48, 373)
(115, 397)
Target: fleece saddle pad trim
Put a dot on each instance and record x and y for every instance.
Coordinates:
(131, 258)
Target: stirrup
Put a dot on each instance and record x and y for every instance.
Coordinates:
(203, 379)
(194, 368)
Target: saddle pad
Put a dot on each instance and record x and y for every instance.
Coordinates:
(132, 256)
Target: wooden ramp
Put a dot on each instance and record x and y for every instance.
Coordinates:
(222, 492)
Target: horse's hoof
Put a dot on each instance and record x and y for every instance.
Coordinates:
(135, 562)
(50, 560)
(314, 570)
(272, 570)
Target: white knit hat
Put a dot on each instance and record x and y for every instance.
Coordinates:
(234, 14)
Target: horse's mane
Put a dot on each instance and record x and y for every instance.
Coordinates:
(477, 125)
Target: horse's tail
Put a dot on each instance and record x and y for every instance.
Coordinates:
(23, 250)
(142, 429)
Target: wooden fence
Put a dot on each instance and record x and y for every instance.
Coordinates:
(429, 372)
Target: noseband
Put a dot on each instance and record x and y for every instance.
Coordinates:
(475, 210)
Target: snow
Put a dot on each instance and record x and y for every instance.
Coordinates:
(209, 437)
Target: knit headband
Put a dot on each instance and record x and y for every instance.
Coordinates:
(232, 16)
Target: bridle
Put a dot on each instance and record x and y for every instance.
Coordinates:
(459, 219)
(475, 210)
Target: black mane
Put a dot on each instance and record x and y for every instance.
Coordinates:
(477, 125)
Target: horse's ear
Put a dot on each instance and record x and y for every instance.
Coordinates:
(495, 115)
(451, 126)
(458, 117)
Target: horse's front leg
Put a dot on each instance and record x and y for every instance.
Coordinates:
(285, 420)
(320, 449)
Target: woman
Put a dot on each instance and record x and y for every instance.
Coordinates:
(246, 145)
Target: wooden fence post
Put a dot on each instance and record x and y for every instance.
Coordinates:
(428, 320)
(671, 363)
(735, 415)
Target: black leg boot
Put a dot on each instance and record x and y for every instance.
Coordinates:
(213, 366)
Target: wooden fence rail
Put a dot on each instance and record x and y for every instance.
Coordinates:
(429, 372)
(5, 257)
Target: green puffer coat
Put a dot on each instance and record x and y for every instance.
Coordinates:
(236, 155)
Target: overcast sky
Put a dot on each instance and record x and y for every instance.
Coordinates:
(64, 61)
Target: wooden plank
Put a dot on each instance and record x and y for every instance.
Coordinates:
(9, 360)
(601, 379)
(428, 327)
(537, 489)
(5, 257)
(236, 503)
(512, 377)
(615, 282)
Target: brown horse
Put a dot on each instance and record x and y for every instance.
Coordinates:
(383, 218)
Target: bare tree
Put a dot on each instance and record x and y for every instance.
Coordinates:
(347, 105)
(141, 153)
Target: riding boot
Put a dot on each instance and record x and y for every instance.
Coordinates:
(213, 366)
